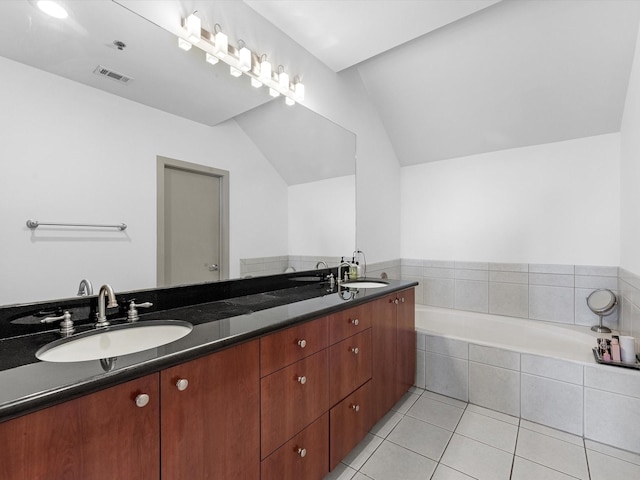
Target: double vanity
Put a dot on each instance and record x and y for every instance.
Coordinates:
(278, 379)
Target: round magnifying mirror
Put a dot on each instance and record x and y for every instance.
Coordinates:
(602, 302)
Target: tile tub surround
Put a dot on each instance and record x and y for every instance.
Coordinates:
(573, 394)
(552, 293)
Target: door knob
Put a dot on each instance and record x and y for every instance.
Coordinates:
(213, 267)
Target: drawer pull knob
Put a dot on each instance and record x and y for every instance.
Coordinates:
(355, 322)
(302, 379)
(302, 452)
(395, 301)
(356, 408)
(402, 299)
(182, 384)
(302, 343)
(142, 400)
(355, 350)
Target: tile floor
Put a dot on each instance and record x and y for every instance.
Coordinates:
(430, 437)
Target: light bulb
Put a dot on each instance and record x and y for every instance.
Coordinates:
(244, 57)
(289, 101)
(265, 70)
(212, 59)
(234, 71)
(255, 83)
(221, 44)
(273, 92)
(194, 28)
(283, 80)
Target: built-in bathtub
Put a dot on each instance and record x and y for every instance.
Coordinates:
(539, 371)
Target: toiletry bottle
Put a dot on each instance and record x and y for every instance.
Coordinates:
(615, 349)
(353, 272)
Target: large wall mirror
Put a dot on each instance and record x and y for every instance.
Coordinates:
(82, 147)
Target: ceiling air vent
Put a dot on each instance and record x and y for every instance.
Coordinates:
(118, 77)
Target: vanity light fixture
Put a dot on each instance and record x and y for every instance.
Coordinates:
(240, 60)
(52, 9)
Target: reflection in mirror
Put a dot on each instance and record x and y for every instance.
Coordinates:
(80, 147)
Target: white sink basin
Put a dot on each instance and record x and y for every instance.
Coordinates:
(365, 284)
(114, 341)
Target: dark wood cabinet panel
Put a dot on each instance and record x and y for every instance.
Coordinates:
(211, 429)
(349, 422)
(304, 457)
(349, 322)
(103, 435)
(406, 355)
(384, 339)
(292, 398)
(288, 346)
(350, 365)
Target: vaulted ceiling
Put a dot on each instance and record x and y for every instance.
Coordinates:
(448, 78)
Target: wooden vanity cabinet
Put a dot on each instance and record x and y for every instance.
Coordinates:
(394, 337)
(210, 424)
(109, 434)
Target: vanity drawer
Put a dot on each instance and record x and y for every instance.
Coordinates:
(288, 346)
(350, 365)
(292, 398)
(349, 322)
(306, 456)
(349, 422)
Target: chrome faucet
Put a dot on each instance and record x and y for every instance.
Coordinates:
(322, 262)
(343, 264)
(105, 290)
(85, 288)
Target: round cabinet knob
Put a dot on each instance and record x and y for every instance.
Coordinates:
(395, 301)
(402, 299)
(302, 452)
(356, 408)
(355, 350)
(355, 322)
(302, 379)
(182, 384)
(142, 400)
(302, 343)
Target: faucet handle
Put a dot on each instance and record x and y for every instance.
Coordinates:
(66, 325)
(132, 313)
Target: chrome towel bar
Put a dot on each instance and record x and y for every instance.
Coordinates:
(33, 224)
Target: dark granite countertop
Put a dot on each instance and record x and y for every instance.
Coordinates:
(29, 384)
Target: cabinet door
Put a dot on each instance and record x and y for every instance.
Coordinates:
(384, 339)
(349, 365)
(349, 422)
(304, 457)
(103, 435)
(210, 429)
(292, 398)
(406, 362)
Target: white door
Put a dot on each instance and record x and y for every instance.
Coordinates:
(193, 214)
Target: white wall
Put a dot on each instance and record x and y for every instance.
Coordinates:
(322, 217)
(552, 203)
(71, 153)
(630, 171)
